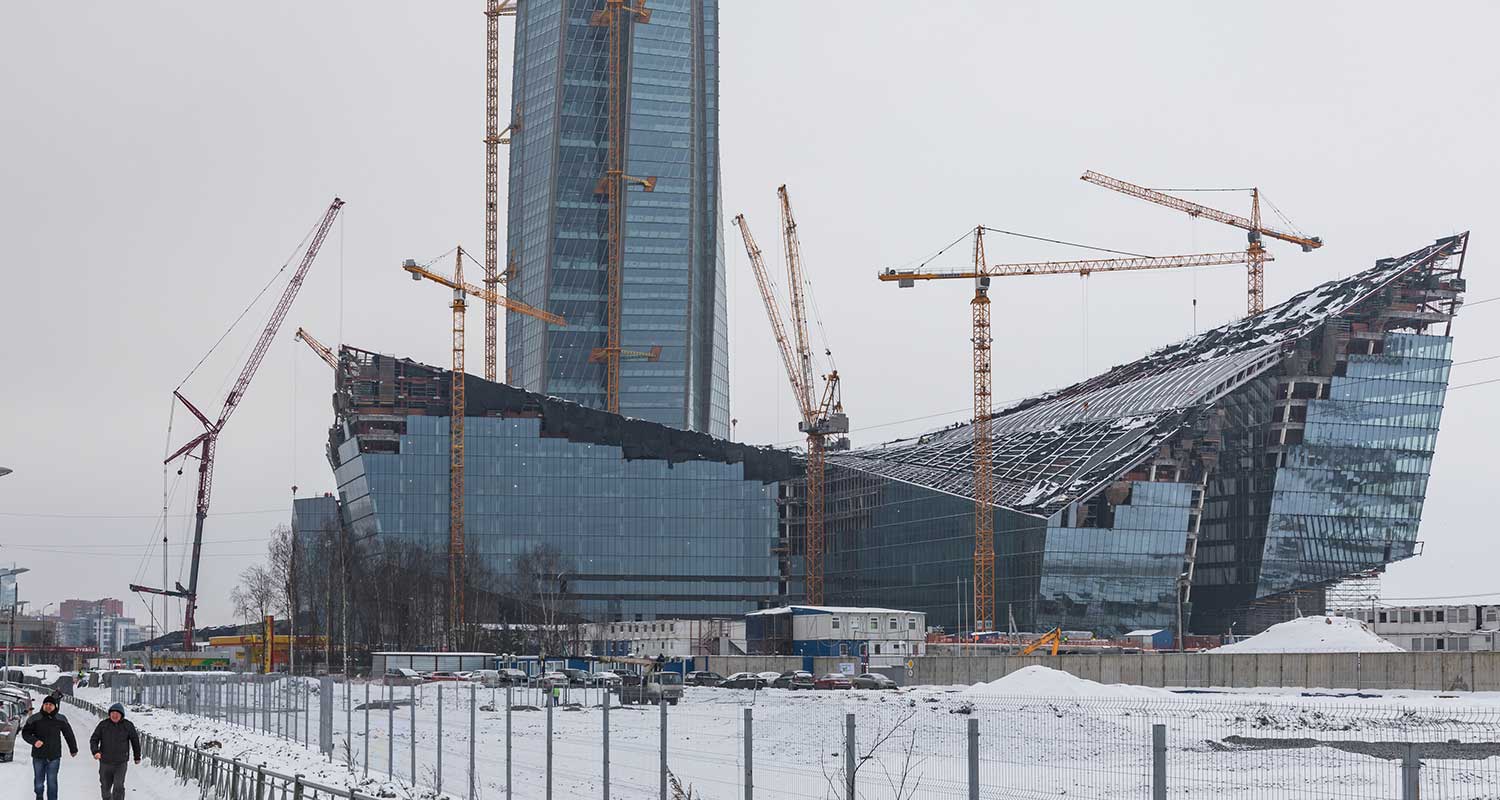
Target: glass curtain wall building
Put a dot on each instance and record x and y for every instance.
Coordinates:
(674, 293)
(1247, 469)
(630, 520)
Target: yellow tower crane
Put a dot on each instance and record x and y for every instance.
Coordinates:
(983, 478)
(1255, 252)
(821, 416)
(462, 289)
(615, 15)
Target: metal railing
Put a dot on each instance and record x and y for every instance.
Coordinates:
(921, 744)
(227, 778)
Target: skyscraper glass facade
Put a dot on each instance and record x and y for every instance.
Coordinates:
(673, 281)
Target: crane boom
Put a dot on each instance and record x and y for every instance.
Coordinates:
(1255, 253)
(778, 330)
(1199, 210)
(799, 308)
(1081, 267)
(207, 442)
(323, 351)
(418, 272)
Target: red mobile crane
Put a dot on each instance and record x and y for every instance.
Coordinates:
(207, 441)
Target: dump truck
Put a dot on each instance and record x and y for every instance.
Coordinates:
(652, 684)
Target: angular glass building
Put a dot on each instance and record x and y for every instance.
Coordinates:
(1240, 472)
(630, 520)
(673, 290)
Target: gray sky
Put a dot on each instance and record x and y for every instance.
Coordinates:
(161, 159)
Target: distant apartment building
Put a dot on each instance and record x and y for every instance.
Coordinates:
(108, 607)
(1447, 628)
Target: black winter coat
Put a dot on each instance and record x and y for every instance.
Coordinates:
(114, 741)
(50, 730)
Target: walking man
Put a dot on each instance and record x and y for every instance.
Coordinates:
(113, 744)
(45, 731)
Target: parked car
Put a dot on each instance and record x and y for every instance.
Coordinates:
(873, 680)
(551, 679)
(514, 677)
(607, 679)
(703, 678)
(579, 677)
(443, 677)
(834, 680)
(768, 677)
(14, 708)
(402, 677)
(743, 680)
(793, 679)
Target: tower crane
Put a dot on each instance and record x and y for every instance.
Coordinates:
(983, 479)
(324, 351)
(206, 443)
(1255, 252)
(462, 289)
(614, 17)
(493, 138)
(821, 416)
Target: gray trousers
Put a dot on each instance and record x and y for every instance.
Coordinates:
(112, 780)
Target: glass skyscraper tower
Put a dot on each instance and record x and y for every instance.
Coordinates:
(674, 306)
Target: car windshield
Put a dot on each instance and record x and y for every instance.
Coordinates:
(669, 679)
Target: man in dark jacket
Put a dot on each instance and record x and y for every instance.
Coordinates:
(113, 743)
(45, 731)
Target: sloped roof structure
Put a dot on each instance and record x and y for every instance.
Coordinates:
(1061, 447)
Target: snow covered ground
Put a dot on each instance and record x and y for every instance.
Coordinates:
(1042, 733)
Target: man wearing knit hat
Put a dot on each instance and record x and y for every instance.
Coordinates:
(113, 744)
(45, 732)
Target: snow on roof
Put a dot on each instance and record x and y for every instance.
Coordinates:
(829, 610)
(1065, 445)
(1313, 635)
(1147, 632)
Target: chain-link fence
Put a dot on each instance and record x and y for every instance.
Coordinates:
(526, 743)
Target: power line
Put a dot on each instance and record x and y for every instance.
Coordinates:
(37, 515)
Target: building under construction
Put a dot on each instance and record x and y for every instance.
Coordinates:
(1232, 476)
(1239, 472)
(637, 520)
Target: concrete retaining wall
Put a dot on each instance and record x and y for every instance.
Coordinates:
(1447, 672)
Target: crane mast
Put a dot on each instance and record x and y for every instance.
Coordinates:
(207, 442)
(493, 138)
(458, 408)
(984, 515)
(615, 15)
(1255, 251)
(981, 342)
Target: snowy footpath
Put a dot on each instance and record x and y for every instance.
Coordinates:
(79, 777)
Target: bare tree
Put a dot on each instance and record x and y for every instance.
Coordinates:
(539, 590)
(255, 595)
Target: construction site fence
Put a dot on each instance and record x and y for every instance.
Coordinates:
(1426, 671)
(463, 741)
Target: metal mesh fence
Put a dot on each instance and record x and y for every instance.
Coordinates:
(525, 742)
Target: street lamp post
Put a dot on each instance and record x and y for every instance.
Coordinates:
(10, 639)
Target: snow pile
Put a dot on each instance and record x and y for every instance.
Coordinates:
(1040, 681)
(1314, 635)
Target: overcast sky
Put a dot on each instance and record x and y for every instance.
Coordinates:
(161, 159)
